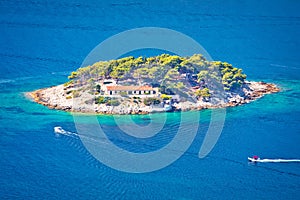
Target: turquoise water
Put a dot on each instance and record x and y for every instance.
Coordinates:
(42, 42)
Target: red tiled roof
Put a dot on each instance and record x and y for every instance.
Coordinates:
(129, 88)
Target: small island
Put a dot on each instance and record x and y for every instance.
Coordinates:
(163, 83)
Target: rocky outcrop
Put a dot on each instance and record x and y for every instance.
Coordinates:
(56, 98)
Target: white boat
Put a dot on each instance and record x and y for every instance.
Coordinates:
(253, 159)
(59, 130)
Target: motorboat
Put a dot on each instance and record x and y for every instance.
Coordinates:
(254, 159)
(59, 130)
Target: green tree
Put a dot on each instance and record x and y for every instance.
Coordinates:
(205, 93)
(203, 74)
(73, 75)
(172, 74)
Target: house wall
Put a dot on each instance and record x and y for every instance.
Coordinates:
(142, 93)
(147, 93)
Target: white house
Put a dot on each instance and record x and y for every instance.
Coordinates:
(113, 90)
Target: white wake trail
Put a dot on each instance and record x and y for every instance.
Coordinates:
(278, 160)
(60, 130)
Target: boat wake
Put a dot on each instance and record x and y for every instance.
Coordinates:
(60, 130)
(279, 160)
(266, 160)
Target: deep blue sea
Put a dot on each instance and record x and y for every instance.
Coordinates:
(41, 42)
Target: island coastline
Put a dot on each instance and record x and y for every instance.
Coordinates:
(52, 98)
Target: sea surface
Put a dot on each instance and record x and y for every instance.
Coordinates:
(41, 42)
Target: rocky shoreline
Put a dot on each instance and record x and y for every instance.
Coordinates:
(55, 98)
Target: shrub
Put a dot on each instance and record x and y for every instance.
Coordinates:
(68, 83)
(73, 75)
(203, 93)
(162, 89)
(165, 97)
(75, 94)
(179, 85)
(113, 102)
(98, 88)
(151, 100)
(101, 100)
